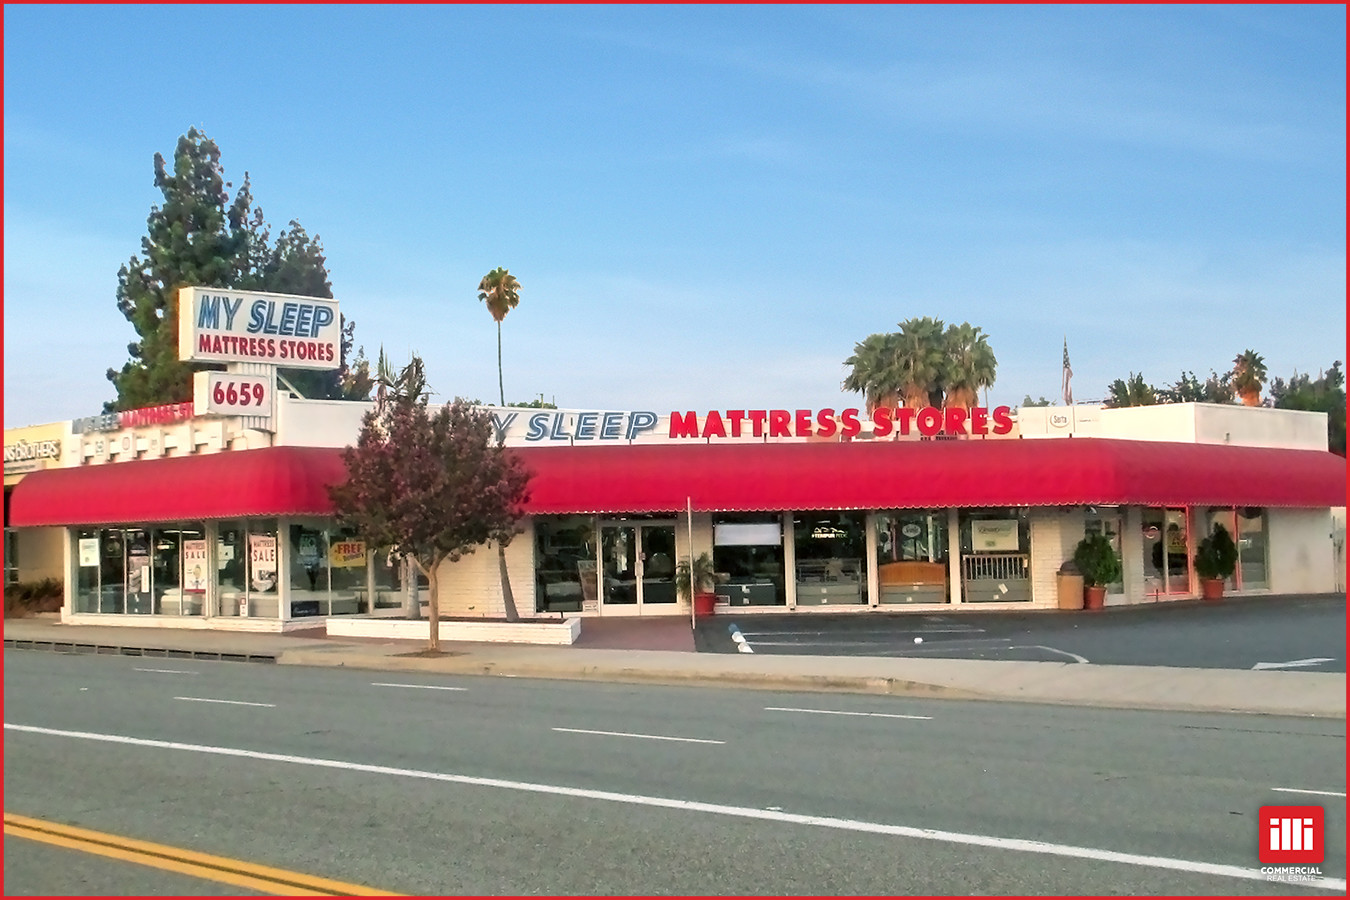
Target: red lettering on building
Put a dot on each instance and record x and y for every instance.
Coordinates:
(929, 421)
(757, 422)
(851, 424)
(780, 423)
(955, 420)
(713, 427)
(735, 415)
(681, 425)
(1002, 420)
(803, 423)
(881, 421)
(825, 424)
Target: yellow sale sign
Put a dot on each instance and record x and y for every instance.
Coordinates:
(347, 554)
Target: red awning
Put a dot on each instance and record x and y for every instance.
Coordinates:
(927, 474)
(273, 481)
(722, 477)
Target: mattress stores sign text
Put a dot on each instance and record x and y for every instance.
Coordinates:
(220, 325)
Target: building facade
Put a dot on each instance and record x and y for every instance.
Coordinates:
(168, 518)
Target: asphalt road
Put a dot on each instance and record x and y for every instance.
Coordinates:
(509, 786)
(1239, 633)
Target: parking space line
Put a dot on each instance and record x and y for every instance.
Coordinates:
(1303, 791)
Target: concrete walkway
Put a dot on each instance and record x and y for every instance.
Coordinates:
(662, 653)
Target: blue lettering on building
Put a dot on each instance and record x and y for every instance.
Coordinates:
(586, 426)
(640, 422)
(304, 320)
(610, 425)
(538, 427)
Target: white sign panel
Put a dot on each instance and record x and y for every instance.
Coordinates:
(262, 555)
(194, 566)
(220, 325)
(88, 551)
(999, 535)
(228, 394)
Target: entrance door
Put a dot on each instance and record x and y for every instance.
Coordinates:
(638, 564)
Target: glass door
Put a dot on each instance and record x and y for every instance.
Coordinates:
(637, 562)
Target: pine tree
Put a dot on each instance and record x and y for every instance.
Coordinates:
(194, 238)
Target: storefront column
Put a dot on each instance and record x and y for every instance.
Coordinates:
(954, 554)
(789, 559)
(873, 585)
(70, 558)
(283, 569)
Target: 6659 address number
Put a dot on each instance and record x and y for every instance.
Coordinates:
(229, 393)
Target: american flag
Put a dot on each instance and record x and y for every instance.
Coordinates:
(1068, 375)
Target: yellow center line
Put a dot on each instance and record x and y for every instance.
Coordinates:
(186, 862)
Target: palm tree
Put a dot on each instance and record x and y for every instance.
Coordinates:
(875, 372)
(921, 360)
(1134, 392)
(500, 290)
(970, 365)
(1249, 376)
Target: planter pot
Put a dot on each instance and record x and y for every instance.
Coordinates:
(1094, 597)
(705, 604)
(1211, 589)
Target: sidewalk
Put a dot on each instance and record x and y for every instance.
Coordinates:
(625, 653)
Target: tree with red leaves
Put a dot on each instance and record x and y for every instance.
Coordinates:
(431, 486)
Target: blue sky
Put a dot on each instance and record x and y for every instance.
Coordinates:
(707, 206)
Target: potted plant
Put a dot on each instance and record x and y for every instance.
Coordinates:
(703, 578)
(1215, 559)
(1097, 561)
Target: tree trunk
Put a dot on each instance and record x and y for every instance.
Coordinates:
(501, 392)
(412, 600)
(508, 600)
(434, 606)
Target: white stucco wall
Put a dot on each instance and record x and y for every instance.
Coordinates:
(318, 423)
(1302, 558)
(472, 586)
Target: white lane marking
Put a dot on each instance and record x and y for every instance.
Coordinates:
(650, 737)
(959, 629)
(1248, 873)
(1302, 791)
(234, 702)
(425, 687)
(1294, 663)
(165, 671)
(841, 712)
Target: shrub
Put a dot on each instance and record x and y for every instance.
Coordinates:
(24, 597)
(1217, 555)
(1097, 560)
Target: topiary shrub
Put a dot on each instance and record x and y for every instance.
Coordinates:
(1217, 556)
(1097, 560)
(24, 597)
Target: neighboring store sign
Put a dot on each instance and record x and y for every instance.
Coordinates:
(1059, 420)
(781, 423)
(999, 535)
(29, 456)
(347, 554)
(262, 559)
(220, 325)
(131, 418)
(228, 394)
(194, 566)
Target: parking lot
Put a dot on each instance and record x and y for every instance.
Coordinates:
(1297, 633)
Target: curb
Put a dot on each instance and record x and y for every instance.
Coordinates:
(80, 647)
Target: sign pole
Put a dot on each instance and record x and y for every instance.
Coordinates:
(689, 508)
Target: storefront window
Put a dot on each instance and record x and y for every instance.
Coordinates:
(564, 563)
(231, 568)
(11, 555)
(1251, 541)
(1166, 558)
(246, 560)
(748, 550)
(830, 550)
(912, 556)
(87, 544)
(388, 580)
(308, 592)
(1228, 519)
(348, 568)
(995, 555)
